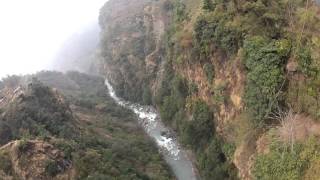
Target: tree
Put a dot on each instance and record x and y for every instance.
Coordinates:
(265, 77)
(208, 5)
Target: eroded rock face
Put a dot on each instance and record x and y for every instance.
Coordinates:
(244, 157)
(131, 35)
(35, 160)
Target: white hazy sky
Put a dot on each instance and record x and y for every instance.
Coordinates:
(31, 31)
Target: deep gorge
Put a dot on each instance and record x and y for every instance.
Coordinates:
(229, 77)
(175, 89)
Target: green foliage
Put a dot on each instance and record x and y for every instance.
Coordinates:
(200, 129)
(212, 29)
(40, 113)
(23, 146)
(264, 18)
(124, 157)
(225, 24)
(193, 88)
(180, 11)
(213, 163)
(304, 96)
(219, 95)
(208, 5)
(305, 61)
(265, 77)
(67, 147)
(174, 91)
(281, 163)
(108, 144)
(197, 133)
(169, 108)
(209, 71)
(5, 133)
(147, 96)
(195, 128)
(229, 149)
(284, 47)
(52, 168)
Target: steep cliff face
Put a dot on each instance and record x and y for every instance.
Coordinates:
(132, 32)
(230, 77)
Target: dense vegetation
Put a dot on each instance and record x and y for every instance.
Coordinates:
(198, 132)
(104, 141)
(283, 162)
(37, 112)
(227, 69)
(265, 35)
(265, 79)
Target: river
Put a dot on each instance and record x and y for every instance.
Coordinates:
(173, 153)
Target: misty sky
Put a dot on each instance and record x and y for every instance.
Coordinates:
(31, 31)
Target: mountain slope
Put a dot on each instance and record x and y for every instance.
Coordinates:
(130, 45)
(72, 131)
(227, 76)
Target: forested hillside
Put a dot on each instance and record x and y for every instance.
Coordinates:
(238, 80)
(65, 126)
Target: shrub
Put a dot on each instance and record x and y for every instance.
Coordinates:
(229, 149)
(89, 163)
(200, 129)
(265, 77)
(209, 71)
(173, 97)
(212, 29)
(282, 163)
(5, 133)
(168, 108)
(219, 96)
(52, 168)
(23, 146)
(304, 96)
(305, 61)
(208, 5)
(193, 88)
(213, 163)
(180, 12)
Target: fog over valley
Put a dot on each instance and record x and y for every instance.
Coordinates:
(33, 33)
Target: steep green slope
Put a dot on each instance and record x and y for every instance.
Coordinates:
(232, 78)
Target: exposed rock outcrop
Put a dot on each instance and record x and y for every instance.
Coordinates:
(31, 160)
(132, 32)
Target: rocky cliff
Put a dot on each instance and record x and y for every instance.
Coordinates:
(132, 33)
(230, 77)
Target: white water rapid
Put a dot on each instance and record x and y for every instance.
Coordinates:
(149, 119)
